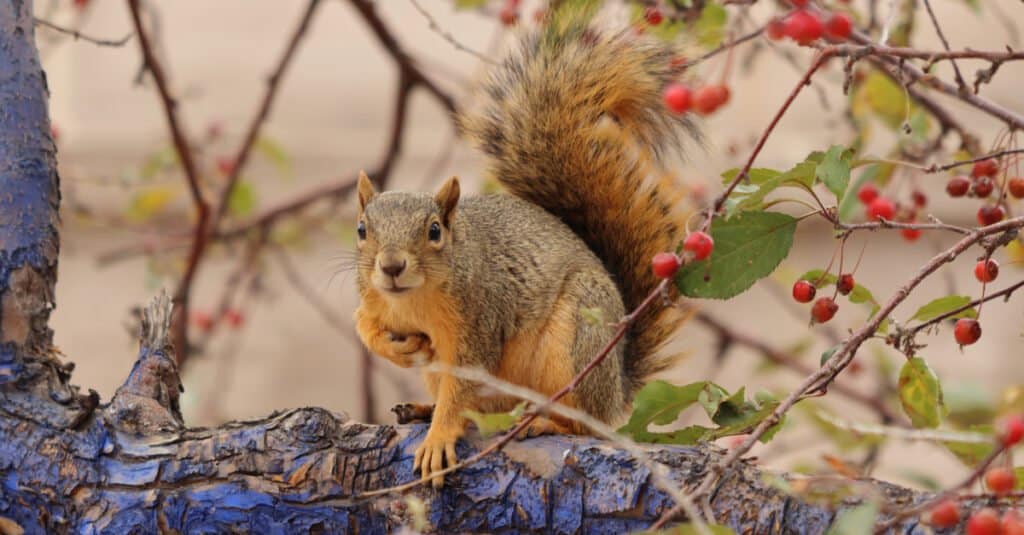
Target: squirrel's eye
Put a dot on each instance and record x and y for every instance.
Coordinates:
(361, 230)
(435, 232)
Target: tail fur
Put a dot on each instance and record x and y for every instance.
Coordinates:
(574, 122)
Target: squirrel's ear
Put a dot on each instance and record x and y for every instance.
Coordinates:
(366, 191)
(447, 197)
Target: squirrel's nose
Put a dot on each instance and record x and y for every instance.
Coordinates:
(393, 268)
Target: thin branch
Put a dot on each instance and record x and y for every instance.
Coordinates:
(1005, 292)
(447, 36)
(79, 35)
(273, 83)
(945, 43)
(734, 336)
(954, 165)
(179, 328)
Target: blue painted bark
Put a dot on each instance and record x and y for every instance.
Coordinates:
(133, 466)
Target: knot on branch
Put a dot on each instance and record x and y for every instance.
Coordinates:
(147, 402)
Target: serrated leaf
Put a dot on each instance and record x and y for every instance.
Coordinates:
(921, 394)
(242, 200)
(859, 520)
(748, 247)
(274, 152)
(860, 294)
(710, 26)
(660, 403)
(495, 422)
(834, 170)
(150, 202)
(944, 305)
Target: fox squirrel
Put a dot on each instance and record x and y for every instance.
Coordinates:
(574, 128)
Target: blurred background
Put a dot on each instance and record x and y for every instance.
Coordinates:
(285, 339)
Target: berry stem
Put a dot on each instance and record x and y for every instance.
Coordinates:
(1005, 292)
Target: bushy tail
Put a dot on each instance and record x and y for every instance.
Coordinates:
(574, 122)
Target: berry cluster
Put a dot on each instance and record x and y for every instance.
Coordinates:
(981, 184)
(825, 308)
(205, 322)
(879, 208)
(704, 100)
(697, 245)
(805, 27)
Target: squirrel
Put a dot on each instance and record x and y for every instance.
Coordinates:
(574, 128)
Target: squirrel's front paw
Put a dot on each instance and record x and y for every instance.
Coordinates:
(409, 348)
(436, 450)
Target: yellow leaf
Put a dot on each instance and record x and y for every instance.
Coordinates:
(150, 202)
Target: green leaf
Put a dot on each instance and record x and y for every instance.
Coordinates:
(834, 170)
(496, 422)
(944, 305)
(887, 100)
(860, 294)
(756, 176)
(877, 172)
(660, 403)
(818, 277)
(971, 453)
(969, 404)
(242, 200)
(921, 394)
(272, 151)
(828, 353)
(469, 4)
(748, 247)
(711, 25)
(859, 520)
(150, 202)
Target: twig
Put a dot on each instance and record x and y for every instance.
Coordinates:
(782, 359)
(179, 327)
(887, 224)
(79, 35)
(273, 82)
(945, 43)
(447, 36)
(1005, 292)
(954, 165)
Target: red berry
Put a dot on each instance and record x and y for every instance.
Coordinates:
(911, 234)
(706, 99)
(1016, 187)
(984, 522)
(983, 187)
(804, 27)
(202, 320)
(881, 208)
(653, 16)
(508, 14)
(990, 214)
(986, 270)
(1013, 524)
(722, 93)
(845, 283)
(838, 27)
(665, 265)
(798, 3)
(775, 30)
(803, 291)
(234, 318)
(867, 193)
(700, 244)
(966, 331)
(945, 514)
(958, 186)
(919, 198)
(226, 165)
(81, 3)
(1000, 480)
(823, 309)
(1011, 430)
(985, 168)
(677, 98)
